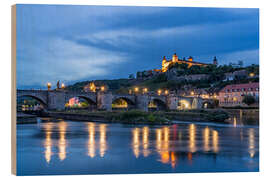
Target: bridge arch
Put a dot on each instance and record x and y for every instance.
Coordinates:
(207, 104)
(39, 99)
(88, 99)
(156, 104)
(71, 100)
(184, 104)
(122, 103)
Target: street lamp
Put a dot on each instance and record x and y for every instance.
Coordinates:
(136, 89)
(49, 85)
(159, 92)
(166, 92)
(145, 90)
(62, 86)
(102, 88)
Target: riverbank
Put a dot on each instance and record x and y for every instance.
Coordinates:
(139, 117)
(23, 118)
(245, 116)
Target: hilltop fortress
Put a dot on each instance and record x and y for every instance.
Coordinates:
(175, 60)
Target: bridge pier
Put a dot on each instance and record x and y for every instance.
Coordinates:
(196, 103)
(104, 101)
(172, 102)
(141, 102)
(56, 100)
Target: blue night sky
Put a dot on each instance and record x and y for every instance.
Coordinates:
(74, 43)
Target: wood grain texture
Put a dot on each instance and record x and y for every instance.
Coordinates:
(13, 90)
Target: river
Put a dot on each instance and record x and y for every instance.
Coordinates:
(69, 147)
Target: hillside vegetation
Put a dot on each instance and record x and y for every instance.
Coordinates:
(215, 81)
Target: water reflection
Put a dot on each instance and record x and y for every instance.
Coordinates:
(48, 142)
(166, 144)
(192, 138)
(102, 139)
(251, 141)
(215, 141)
(62, 140)
(146, 151)
(165, 155)
(136, 142)
(91, 140)
(234, 121)
(206, 133)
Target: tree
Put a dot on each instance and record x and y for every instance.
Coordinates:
(248, 100)
(240, 63)
(131, 76)
(84, 104)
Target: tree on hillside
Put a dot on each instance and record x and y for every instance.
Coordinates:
(131, 76)
(248, 100)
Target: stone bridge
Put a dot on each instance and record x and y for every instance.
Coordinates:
(56, 99)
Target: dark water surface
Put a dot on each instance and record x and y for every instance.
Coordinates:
(69, 147)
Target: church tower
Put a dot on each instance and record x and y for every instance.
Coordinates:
(174, 58)
(215, 62)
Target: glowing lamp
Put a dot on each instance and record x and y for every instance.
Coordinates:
(62, 85)
(49, 85)
(159, 92)
(251, 74)
(166, 92)
(145, 90)
(102, 88)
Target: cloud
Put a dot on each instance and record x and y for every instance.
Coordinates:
(191, 39)
(247, 56)
(65, 60)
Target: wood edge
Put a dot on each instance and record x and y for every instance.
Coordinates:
(13, 91)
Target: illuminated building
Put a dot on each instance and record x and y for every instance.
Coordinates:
(175, 60)
(73, 102)
(232, 95)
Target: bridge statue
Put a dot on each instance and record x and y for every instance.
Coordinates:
(58, 84)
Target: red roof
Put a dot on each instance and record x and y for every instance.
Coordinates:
(241, 86)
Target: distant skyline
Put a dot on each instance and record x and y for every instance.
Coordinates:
(77, 43)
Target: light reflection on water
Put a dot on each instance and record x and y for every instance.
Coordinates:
(190, 144)
(48, 142)
(62, 140)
